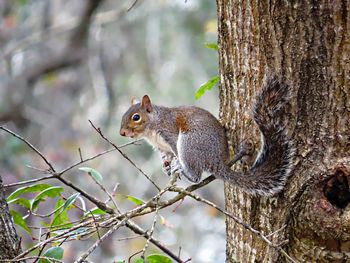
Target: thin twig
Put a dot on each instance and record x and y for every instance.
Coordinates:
(48, 214)
(107, 193)
(30, 181)
(30, 146)
(32, 257)
(41, 249)
(150, 233)
(129, 238)
(99, 241)
(97, 155)
(80, 154)
(132, 6)
(113, 191)
(37, 169)
(70, 167)
(278, 230)
(133, 255)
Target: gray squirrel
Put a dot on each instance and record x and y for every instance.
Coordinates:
(191, 140)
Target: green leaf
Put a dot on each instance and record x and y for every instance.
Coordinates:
(157, 258)
(135, 200)
(53, 191)
(21, 201)
(140, 260)
(54, 253)
(95, 211)
(212, 46)
(28, 189)
(60, 216)
(70, 200)
(206, 86)
(95, 174)
(18, 220)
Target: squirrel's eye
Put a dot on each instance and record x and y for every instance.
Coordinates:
(136, 117)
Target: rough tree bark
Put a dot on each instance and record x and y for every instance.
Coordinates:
(306, 42)
(9, 243)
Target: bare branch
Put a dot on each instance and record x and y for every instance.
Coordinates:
(91, 198)
(99, 241)
(31, 257)
(30, 181)
(150, 235)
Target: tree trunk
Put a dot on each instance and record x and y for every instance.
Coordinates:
(9, 244)
(306, 42)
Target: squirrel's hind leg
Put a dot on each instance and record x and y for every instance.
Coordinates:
(187, 160)
(246, 149)
(184, 171)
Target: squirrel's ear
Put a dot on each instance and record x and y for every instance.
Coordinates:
(134, 100)
(146, 103)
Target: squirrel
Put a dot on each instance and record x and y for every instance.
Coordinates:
(191, 140)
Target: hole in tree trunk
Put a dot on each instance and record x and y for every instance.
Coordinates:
(337, 188)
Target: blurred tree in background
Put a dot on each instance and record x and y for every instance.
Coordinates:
(65, 62)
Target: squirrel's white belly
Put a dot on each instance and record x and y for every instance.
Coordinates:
(157, 141)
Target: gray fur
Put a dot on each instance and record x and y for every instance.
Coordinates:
(198, 142)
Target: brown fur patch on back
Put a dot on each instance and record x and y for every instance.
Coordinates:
(181, 123)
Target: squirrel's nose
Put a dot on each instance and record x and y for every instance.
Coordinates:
(122, 132)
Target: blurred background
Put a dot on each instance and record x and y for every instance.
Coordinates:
(64, 62)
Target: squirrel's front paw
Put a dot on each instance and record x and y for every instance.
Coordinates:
(166, 167)
(176, 166)
(167, 159)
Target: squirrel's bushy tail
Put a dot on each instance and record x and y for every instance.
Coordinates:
(275, 160)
